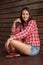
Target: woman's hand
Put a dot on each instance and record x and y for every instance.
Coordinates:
(7, 44)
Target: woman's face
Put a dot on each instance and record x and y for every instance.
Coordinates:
(25, 15)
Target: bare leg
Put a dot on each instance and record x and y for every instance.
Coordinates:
(21, 47)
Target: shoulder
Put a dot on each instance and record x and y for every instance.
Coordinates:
(32, 21)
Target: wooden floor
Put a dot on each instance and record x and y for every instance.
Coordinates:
(22, 60)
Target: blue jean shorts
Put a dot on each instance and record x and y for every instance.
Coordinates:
(34, 50)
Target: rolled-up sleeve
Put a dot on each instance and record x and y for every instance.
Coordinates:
(25, 32)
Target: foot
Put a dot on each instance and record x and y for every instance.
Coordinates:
(13, 54)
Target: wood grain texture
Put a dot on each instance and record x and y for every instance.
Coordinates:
(10, 10)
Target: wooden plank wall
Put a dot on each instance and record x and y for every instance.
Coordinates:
(10, 10)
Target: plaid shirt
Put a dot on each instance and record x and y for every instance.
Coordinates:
(29, 33)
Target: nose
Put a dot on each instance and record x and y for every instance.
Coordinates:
(25, 16)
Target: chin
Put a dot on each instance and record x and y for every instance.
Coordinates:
(25, 20)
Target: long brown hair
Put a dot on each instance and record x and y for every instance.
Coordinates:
(30, 18)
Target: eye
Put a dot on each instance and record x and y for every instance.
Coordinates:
(27, 14)
(23, 14)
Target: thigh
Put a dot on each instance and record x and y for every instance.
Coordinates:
(22, 47)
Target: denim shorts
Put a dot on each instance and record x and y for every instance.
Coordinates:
(34, 50)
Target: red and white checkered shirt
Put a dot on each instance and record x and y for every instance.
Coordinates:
(29, 34)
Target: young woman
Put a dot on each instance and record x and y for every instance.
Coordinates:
(24, 37)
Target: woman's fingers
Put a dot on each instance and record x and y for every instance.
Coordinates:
(7, 44)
